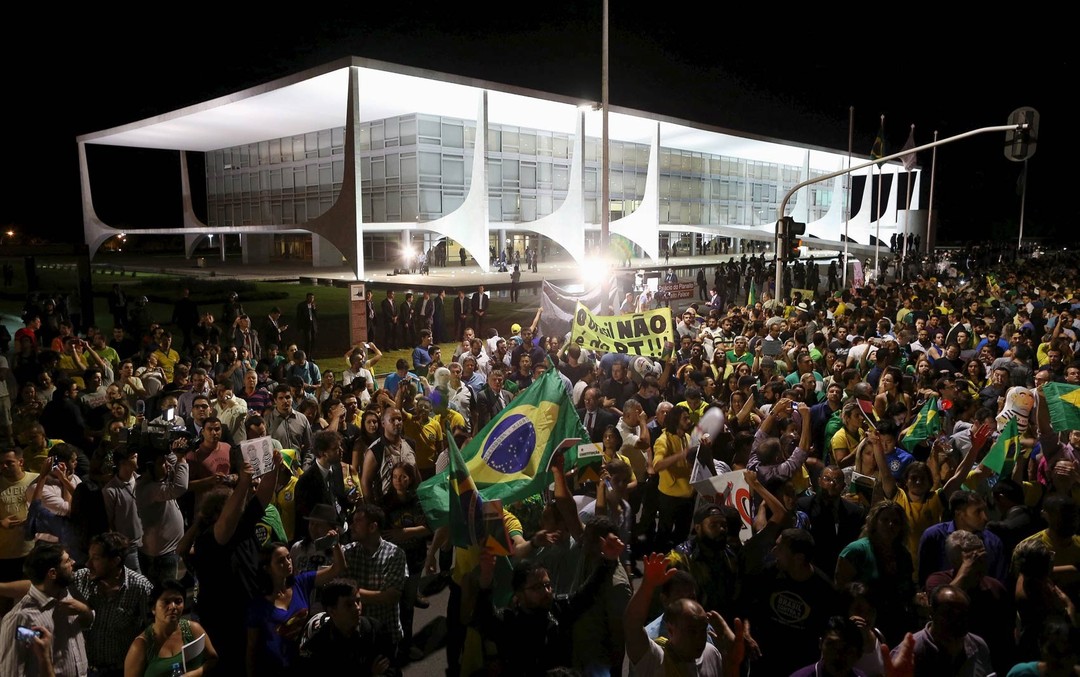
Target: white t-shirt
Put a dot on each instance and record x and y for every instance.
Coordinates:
(708, 664)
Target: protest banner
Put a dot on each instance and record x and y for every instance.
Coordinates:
(728, 489)
(559, 304)
(634, 334)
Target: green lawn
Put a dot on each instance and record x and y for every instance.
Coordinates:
(257, 298)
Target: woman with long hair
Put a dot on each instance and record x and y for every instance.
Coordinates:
(890, 401)
(880, 559)
(276, 620)
(408, 529)
(158, 651)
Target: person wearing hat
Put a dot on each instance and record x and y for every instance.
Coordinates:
(708, 556)
(315, 550)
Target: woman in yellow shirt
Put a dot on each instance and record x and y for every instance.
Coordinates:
(676, 497)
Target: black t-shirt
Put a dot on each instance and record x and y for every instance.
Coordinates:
(228, 574)
(788, 617)
(839, 349)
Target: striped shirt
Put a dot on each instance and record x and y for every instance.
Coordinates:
(39, 609)
(384, 569)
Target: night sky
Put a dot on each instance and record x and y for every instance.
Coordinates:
(735, 70)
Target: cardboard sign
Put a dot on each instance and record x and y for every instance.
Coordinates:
(634, 334)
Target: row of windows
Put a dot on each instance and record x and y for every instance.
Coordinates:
(418, 167)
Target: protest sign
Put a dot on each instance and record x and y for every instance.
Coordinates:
(728, 489)
(635, 334)
(259, 454)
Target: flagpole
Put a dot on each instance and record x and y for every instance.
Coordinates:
(847, 191)
(930, 205)
(877, 214)
(907, 209)
(1023, 200)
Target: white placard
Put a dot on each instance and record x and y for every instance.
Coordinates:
(589, 450)
(259, 454)
(192, 650)
(729, 489)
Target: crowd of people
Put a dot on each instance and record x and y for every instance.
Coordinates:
(872, 538)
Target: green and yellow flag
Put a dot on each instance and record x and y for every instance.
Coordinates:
(1003, 454)
(1063, 402)
(926, 425)
(752, 295)
(508, 460)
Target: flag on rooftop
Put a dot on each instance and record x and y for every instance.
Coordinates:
(1063, 402)
(909, 159)
(878, 150)
(510, 458)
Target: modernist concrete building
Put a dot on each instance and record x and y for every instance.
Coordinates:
(359, 161)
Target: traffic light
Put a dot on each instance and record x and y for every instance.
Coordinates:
(790, 240)
(1020, 143)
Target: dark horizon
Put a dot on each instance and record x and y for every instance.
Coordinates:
(663, 65)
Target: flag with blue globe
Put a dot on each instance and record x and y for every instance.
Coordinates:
(509, 459)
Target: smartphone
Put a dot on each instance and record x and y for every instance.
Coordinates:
(25, 635)
(140, 408)
(170, 413)
(325, 542)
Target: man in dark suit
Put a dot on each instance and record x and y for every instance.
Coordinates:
(389, 321)
(272, 329)
(307, 321)
(426, 317)
(479, 307)
(407, 319)
(323, 482)
(438, 319)
(595, 419)
(369, 310)
(461, 315)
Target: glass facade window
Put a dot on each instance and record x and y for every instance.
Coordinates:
(418, 167)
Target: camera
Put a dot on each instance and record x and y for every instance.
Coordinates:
(153, 440)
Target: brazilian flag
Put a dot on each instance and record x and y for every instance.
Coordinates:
(926, 425)
(1063, 403)
(878, 150)
(1002, 455)
(752, 295)
(509, 459)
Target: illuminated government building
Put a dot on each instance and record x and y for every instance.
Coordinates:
(357, 160)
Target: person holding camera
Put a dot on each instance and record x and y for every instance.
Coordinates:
(163, 480)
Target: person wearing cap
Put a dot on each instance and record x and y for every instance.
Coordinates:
(707, 555)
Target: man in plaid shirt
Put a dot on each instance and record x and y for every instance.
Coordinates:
(378, 567)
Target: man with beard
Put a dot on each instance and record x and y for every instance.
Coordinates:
(710, 559)
(47, 607)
